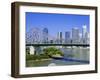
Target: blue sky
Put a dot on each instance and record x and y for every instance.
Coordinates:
(56, 22)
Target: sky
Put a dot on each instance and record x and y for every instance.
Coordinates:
(56, 22)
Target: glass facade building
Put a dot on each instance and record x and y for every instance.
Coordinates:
(75, 35)
(45, 35)
(67, 37)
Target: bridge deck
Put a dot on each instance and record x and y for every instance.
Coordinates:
(84, 45)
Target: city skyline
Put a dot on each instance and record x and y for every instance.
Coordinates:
(43, 36)
(56, 22)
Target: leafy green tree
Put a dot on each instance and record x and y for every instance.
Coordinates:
(52, 51)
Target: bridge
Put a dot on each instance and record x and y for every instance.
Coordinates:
(47, 44)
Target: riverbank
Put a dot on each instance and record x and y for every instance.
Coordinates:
(37, 57)
(39, 63)
(41, 59)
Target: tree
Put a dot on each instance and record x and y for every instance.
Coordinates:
(52, 51)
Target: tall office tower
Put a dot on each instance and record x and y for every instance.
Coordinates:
(67, 37)
(75, 35)
(87, 38)
(60, 35)
(80, 38)
(58, 38)
(84, 34)
(45, 35)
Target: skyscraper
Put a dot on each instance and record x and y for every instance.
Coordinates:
(87, 38)
(75, 35)
(45, 35)
(59, 37)
(80, 38)
(67, 37)
(84, 34)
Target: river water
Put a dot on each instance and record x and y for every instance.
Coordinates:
(75, 53)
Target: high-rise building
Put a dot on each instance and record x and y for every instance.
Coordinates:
(87, 38)
(45, 35)
(80, 38)
(67, 37)
(84, 34)
(75, 35)
(59, 37)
